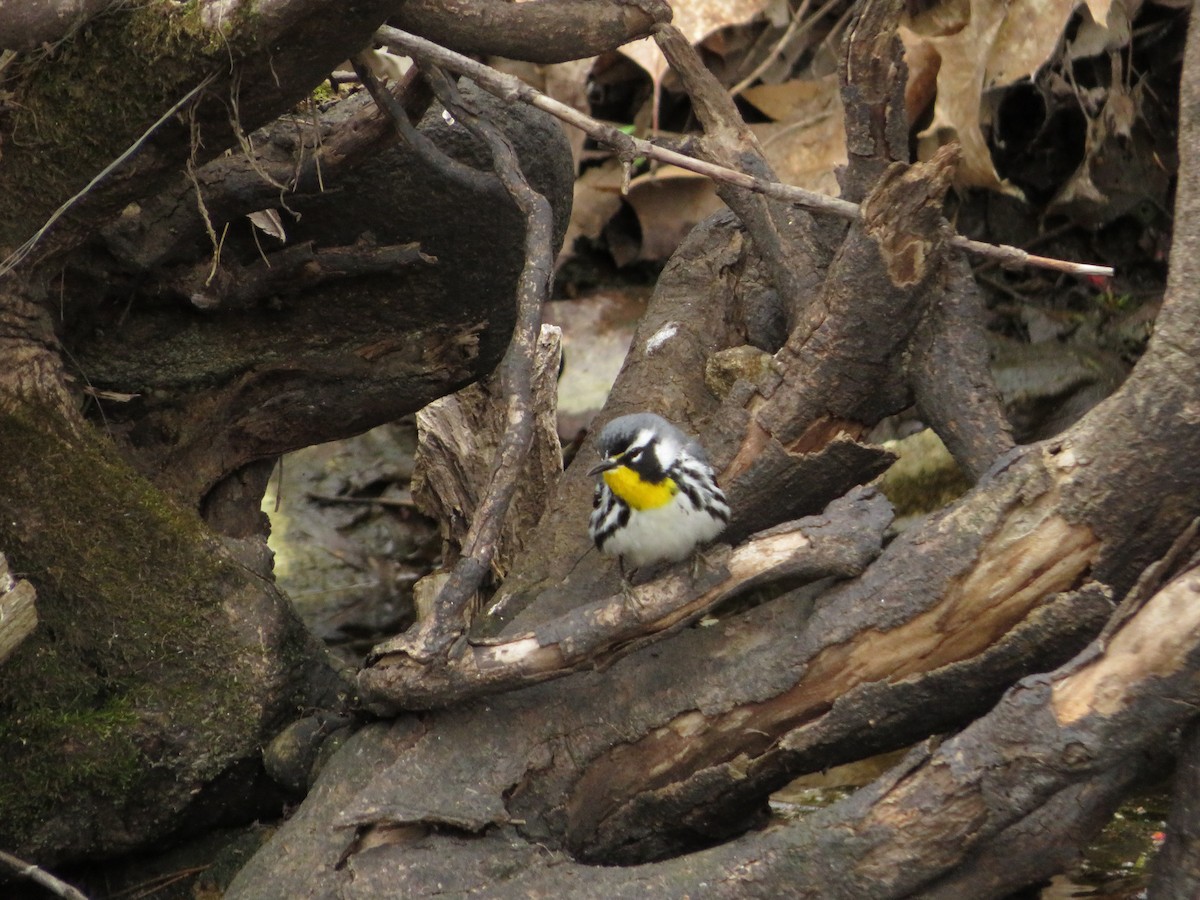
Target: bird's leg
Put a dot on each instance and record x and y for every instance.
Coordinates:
(627, 584)
(703, 563)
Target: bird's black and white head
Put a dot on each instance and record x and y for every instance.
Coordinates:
(646, 443)
(657, 499)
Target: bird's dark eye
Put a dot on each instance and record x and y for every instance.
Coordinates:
(633, 455)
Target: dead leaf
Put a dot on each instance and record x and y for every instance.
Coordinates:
(597, 199)
(807, 141)
(1120, 171)
(669, 202)
(981, 46)
(268, 220)
(385, 65)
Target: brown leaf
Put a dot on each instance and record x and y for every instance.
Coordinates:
(981, 47)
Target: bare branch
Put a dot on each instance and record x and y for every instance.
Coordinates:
(510, 88)
(542, 31)
(839, 543)
(289, 270)
(435, 634)
(478, 181)
(38, 875)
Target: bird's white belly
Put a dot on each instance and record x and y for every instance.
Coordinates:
(668, 533)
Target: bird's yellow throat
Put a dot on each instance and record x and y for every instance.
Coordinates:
(638, 493)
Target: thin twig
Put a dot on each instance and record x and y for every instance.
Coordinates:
(512, 89)
(797, 27)
(775, 52)
(422, 146)
(14, 258)
(152, 886)
(448, 621)
(38, 875)
(398, 502)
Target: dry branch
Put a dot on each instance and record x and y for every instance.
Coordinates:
(290, 270)
(290, 152)
(545, 31)
(474, 179)
(510, 88)
(1055, 751)
(1049, 732)
(838, 544)
(40, 876)
(434, 635)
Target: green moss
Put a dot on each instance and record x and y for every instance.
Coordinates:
(82, 105)
(924, 478)
(133, 646)
(323, 92)
(103, 762)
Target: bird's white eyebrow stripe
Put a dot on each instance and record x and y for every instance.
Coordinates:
(640, 441)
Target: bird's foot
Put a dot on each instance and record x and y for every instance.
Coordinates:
(631, 599)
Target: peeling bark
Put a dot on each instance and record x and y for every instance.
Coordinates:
(18, 610)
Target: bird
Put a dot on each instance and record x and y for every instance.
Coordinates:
(657, 500)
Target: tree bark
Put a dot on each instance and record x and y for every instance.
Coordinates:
(156, 630)
(165, 657)
(546, 31)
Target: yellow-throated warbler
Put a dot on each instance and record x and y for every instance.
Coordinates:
(658, 500)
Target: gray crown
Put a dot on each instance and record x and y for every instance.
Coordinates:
(618, 433)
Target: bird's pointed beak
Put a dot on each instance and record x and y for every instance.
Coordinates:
(604, 467)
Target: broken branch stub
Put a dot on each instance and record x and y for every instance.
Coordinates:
(18, 610)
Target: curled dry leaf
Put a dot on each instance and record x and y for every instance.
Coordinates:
(268, 220)
(670, 202)
(975, 50)
(597, 199)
